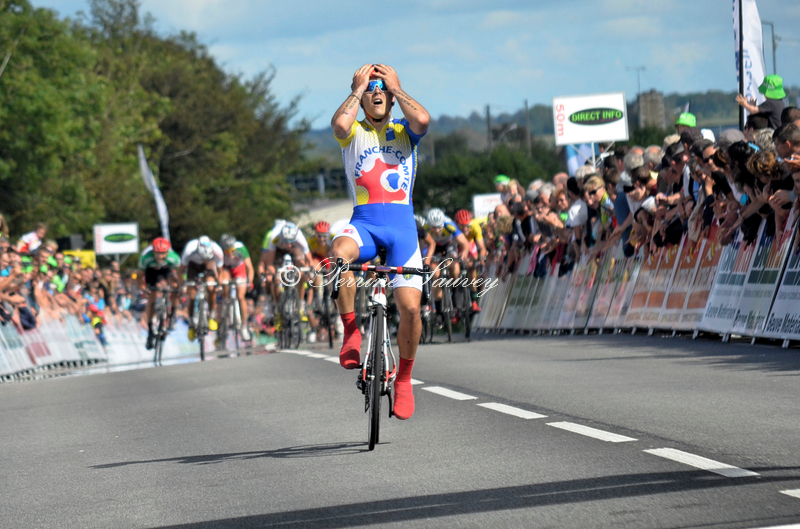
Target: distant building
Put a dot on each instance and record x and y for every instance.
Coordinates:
(651, 109)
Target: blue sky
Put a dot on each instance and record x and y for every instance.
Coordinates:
(456, 56)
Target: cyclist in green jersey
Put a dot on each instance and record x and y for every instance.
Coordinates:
(159, 263)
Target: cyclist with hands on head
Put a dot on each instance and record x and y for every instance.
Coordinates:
(473, 232)
(380, 159)
(237, 265)
(159, 262)
(201, 255)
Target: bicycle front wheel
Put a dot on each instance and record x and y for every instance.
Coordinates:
(447, 312)
(375, 373)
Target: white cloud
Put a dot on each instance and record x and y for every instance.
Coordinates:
(633, 27)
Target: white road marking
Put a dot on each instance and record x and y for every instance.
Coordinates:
(703, 463)
(303, 353)
(449, 393)
(793, 493)
(415, 382)
(792, 526)
(510, 410)
(592, 432)
(316, 355)
(334, 359)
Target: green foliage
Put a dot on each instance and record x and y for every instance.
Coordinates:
(456, 177)
(77, 98)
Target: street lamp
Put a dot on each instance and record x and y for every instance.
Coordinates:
(511, 127)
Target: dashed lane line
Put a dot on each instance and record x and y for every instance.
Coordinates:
(510, 410)
(334, 359)
(449, 393)
(317, 355)
(793, 493)
(415, 382)
(702, 463)
(591, 432)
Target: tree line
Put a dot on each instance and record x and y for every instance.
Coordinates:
(78, 96)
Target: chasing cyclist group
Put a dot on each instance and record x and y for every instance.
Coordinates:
(228, 263)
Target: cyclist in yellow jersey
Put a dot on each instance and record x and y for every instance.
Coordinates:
(471, 229)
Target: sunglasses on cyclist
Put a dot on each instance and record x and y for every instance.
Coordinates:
(375, 83)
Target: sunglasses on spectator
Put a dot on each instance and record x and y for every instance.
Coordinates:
(593, 191)
(375, 83)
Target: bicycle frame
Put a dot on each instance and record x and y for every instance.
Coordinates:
(378, 298)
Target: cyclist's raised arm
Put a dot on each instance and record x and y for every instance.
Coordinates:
(345, 116)
(418, 118)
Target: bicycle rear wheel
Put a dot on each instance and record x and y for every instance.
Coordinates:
(375, 371)
(202, 329)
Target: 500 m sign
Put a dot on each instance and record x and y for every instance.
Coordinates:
(590, 119)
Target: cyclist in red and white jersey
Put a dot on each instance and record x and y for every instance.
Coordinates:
(237, 265)
(380, 159)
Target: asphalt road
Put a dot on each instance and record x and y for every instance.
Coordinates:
(617, 431)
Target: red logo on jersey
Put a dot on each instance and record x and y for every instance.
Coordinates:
(371, 181)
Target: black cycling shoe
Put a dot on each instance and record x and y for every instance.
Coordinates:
(151, 341)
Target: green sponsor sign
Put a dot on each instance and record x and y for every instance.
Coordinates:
(119, 237)
(596, 116)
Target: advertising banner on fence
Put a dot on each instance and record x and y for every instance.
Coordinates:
(762, 280)
(681, 285)
(659, 290)
(723, 301)
(641, 291)
(622, 300)
(608, 283)
(784, 317)
(590, 118)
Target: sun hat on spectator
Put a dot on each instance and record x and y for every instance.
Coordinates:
(669, 140)
(728, 138)
(708, 134)
(687, 119)
(772, 87)
(501, 180)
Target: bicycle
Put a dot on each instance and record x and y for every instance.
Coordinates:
(161, 311)
(375, 379)
(325, 307)
(447, 310)
(426, 315)
(462, 296)
(231, 315)
(202, 311)
(288, 308)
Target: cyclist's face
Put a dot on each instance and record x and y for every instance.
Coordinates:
(466, 228)
(321, 236)
(377, 103)
(160, 256)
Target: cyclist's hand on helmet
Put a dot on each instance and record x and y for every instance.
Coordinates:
(361, 78)
(389, 76)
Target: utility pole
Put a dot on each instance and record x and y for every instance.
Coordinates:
(741, 64)
(489, 128)
(528, 129)
(774, 45)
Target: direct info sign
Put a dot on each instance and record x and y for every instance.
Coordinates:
(110, 239)
(590, 118)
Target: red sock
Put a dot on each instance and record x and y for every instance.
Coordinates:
(403, 394)
(350, 356)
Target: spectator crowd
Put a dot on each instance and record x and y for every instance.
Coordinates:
(37, 281)
(693, 184)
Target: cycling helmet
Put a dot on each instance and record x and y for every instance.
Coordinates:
(421, 220)
(227, 241)
(289, 232)
(322, 226)
(436, 217)
(463, 216)
(204, 248)
(160, 244)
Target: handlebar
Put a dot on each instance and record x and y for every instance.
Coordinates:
(381, 269)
